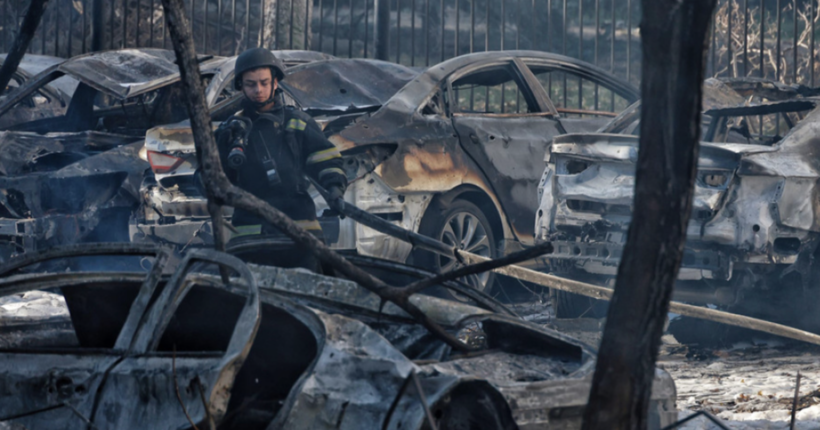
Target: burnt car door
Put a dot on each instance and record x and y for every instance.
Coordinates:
(188, 350)
(137, 361)
(506, 128)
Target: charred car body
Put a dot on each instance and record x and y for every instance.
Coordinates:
(453, 152)
(752, 238)
(75, 176)
(277, 349)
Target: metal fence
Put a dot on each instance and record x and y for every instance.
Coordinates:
(763, 38)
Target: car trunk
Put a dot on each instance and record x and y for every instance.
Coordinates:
(595, 178)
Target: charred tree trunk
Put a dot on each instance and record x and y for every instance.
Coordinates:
(673, 34)
(30, 23)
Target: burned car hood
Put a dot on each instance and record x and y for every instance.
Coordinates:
(47, 174)
(337, 86)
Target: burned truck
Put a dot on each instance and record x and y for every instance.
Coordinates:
(453, 152)
(754, 231)
(167, 344)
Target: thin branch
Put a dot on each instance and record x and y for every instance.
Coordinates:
(486, 266)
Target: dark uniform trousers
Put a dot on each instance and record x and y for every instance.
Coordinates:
(297, 146)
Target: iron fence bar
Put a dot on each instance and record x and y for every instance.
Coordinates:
(398, 31)
(205, 24)
(349, 32)
(597, 27)
(247, 24)
(367, 24)
(533, 24)
(112, 6)
(564, 48)
(794, 2)
(219, 27)
(777, 46)
(472, 35)
(138, 22)
(729, 41)
(580, 49)
(292, 20)
(412, 33)
(153, 34)
(811, 44)
(745, 37)
(487, 29)
(427, 33)
(517, 24)
(85, 33)
(762, 39)
(165, 30)
(233, 25)
(777, 62)
(581, 30)
(549, 25)
(458, 29)
(628, 41)
(335, 25)
(441, 40)
(6, 17)
(712, 50)
(612, 39)
(56, 29)
(192, 17)
(306, 28)
(276, 25)
(503, 35)
(321, 24)
(382, 31)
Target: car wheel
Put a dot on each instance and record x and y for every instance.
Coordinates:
(569, 305)
(464, 225)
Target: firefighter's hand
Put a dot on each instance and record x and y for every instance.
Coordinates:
(336, 192)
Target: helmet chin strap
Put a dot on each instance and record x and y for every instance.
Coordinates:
(259, 105)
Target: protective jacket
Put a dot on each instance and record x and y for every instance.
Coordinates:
(298, 147)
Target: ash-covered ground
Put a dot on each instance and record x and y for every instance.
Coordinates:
(747, 384)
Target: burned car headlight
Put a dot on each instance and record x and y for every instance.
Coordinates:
(714, 179)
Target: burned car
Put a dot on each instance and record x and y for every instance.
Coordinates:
(752, 237)
(76, 176)
(48, 101)
(169, 345)
(453, 152)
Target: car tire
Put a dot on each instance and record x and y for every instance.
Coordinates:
(452, 223)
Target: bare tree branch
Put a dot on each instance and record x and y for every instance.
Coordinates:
(30, 23)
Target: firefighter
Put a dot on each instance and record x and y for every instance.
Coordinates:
(267, 149)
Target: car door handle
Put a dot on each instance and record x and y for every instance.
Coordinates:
(474, 138)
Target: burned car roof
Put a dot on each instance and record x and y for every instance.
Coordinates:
(118, 73)
(344, 85)
(380, 127)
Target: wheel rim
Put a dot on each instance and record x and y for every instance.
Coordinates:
(466, 232)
